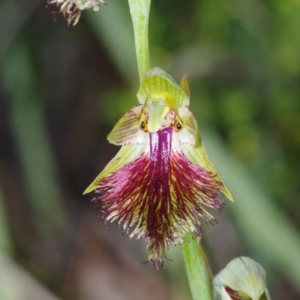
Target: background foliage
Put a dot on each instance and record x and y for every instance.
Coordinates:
(60, 94)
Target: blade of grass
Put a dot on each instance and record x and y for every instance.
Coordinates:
(14, 16)
(5, 239)
(28, 124)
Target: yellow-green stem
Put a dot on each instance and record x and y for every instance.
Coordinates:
(139, 11)
(197, 269)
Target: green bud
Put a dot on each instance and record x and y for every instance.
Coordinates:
(242, 279)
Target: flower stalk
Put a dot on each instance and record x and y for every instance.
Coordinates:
(197, 269)
(139, 11)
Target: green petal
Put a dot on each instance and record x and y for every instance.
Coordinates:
(127, 154)
(127, 130)
(197, 155)
(157, 79)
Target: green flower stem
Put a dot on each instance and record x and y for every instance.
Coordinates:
(139, 11)
(197, 269)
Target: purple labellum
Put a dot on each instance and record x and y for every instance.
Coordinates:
(159, 196)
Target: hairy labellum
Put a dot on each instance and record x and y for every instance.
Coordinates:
(159, 195)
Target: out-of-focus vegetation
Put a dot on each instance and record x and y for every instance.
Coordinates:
(61, 92)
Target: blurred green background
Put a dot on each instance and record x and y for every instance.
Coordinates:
(61, 93)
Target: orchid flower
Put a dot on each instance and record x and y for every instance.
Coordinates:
(161, 180)
(242, 279)
(71, 9)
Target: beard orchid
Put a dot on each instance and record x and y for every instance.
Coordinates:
(71, 9)
(161, 180)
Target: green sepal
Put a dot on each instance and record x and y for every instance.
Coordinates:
(127, 154)
(127, 130)
(157, 79)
